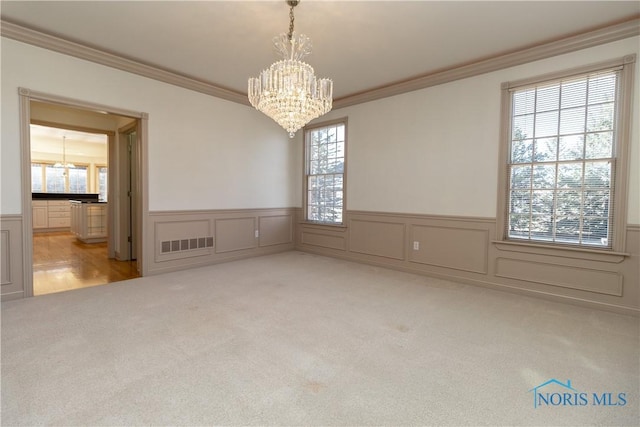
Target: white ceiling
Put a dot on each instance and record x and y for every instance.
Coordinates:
(361, 45)
(46, 139)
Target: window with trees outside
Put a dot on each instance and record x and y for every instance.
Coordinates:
(566, 157)
(325, 172)
(48, 178)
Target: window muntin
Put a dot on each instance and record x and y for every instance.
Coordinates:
(562, 161)
(324, 173)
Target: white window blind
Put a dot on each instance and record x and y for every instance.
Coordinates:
(562, 161)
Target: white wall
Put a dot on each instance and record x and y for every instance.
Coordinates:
(204, 152)
(435, 151)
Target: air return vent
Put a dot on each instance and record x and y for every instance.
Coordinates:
(186, 244)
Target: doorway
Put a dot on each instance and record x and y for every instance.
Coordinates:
(70, 237)
(87, 262)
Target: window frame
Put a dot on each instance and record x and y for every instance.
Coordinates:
(621, 157)
(305, 170)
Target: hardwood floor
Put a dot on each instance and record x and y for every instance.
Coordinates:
(61, 263)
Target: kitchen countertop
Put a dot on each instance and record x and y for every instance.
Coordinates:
(94, 202)
(65, 196)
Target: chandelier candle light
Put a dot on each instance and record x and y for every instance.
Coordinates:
(288, 90)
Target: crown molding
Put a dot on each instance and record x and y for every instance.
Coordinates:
(57, 44)
(573, 43)
(629, 28)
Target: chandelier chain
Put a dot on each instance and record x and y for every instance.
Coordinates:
(291, 19)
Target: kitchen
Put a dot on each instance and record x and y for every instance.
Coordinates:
(70, 206)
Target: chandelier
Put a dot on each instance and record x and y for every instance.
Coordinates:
(288, 90)
(64, 163)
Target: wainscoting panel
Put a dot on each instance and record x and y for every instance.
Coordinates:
(384, 239)
(183, 239)
(582, 278)
(463, 249)
(275, 230)
(11, 268)
(235, 234)
(5, 258)
(186, 239)
(457, 248)
(324, 240)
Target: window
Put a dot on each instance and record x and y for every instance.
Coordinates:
(102, 183)
(325, 172)
(78, 179)
(51, 179)
(566, 159)
(36, 178)
(54, 178)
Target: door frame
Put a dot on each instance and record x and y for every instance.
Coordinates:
(26, 96)
(128, 174)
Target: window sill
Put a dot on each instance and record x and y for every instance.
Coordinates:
(561, 251)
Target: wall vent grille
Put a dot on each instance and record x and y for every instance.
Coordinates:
(169, 246)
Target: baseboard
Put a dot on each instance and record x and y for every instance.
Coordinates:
(10, 296)
(221, 260)
(51, 230)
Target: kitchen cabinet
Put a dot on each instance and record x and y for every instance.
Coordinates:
(59, 213)
(48, 215)
(40, 215)
(89, 221)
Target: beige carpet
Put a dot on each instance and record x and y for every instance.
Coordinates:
(299, 339)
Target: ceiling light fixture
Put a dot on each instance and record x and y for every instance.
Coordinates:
(64, 163)
(288, 90)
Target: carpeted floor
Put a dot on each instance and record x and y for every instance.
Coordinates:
(299, 339)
